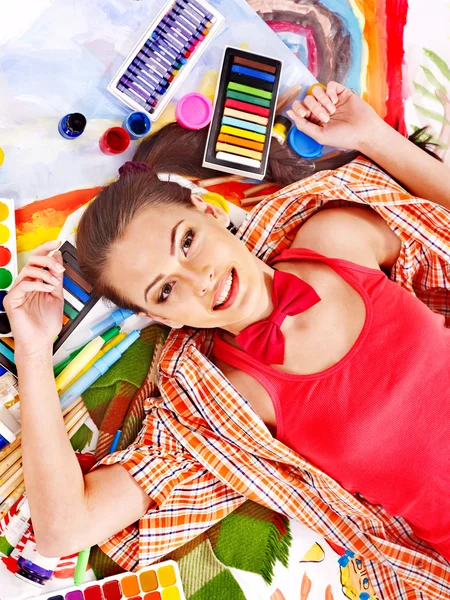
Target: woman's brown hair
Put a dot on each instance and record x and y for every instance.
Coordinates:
(172, 149)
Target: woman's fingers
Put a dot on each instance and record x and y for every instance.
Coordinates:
(316, 108)
(334, 89)
(306, 126)
(36, 273)
(46, 248)
(323, 98)
(53, 263)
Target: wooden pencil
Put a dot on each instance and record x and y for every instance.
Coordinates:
(10, 447)
(257, 188)
(75, 417)
(11, 471)
(217, 180)
(77, 402)
(77, 425)
(252, 200)
(287, 97)
(10, 486)
(7, 462)
(11, 500)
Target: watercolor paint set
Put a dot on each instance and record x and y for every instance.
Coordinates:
(165, 54)
(246, 98)
(8, 258)
(157, 582)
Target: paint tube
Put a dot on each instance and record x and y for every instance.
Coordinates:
(16, 528)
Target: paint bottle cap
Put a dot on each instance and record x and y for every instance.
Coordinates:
(303, 145)
(137, 124)
(76, 122)
(311, 88)
(194, 111)
(114, 141)
(6, 436)
(281, 128)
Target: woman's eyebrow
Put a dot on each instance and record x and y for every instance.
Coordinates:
(173, 236)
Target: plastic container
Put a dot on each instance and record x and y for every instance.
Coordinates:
(137, 124)
(304, 145)
(114, 141)
(194, 111)
(72, 125)
(33, 567)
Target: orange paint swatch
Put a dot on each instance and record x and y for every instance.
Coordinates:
(230, 139)
(130, 586)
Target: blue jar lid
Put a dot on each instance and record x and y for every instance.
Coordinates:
(304, 145)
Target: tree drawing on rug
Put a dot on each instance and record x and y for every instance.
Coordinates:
(436, 95)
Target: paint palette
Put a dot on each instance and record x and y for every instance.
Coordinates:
(157, 582)
(165, 54)
(8, 258)
(246, 97)
(78, 297)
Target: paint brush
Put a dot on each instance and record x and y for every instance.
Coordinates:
(11, 500)
(252, 200)
(257, 188)
(287, 97)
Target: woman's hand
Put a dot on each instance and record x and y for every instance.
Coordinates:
(336, 117)
(34, 304)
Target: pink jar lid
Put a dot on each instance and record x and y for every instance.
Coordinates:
(194, 111)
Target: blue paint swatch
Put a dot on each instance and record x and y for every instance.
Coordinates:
(253, 73)
(244, 125)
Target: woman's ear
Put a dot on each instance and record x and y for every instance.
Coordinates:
(211, 209)
(168, 322)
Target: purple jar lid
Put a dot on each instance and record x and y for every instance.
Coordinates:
(194, 111)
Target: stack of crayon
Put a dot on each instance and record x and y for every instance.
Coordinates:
(165, 54)
(240, 133)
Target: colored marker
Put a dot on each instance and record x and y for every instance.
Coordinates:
(115, 318)
(107, 336)
(97, 370)
(78, 363)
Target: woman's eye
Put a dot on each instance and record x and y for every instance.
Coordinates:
(165, 292)
(187, 241)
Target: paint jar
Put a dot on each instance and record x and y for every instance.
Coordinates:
(16, 528)
(33, 567)
(281, 128)
(194, 111)
(137, 124)
(303, 145)
(311, 88)
(72, 125)
(6, 436)
(114, 141)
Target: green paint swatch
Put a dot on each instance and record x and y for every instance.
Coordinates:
(69, 311)
(247, 98)
(5, 278)
(238, 87)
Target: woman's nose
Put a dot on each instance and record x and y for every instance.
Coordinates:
(204, 281)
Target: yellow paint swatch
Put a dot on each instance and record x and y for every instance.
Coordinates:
(4, 211)
(4, 234)
(167, 576)
(171, 593)
(257, 137)
(245, 116)
(238, 150)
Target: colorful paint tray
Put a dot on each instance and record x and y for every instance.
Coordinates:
(246, 97)
(8, 258)
(165, 54)
(157, 582)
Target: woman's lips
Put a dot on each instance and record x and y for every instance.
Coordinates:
(233, 292)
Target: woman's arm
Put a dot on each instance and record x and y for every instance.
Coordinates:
(69, 511)
(339, 117)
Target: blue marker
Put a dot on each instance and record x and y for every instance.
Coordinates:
(115, 441)
(72, 125)
(98, 369)
(115, 318)
(253, 73)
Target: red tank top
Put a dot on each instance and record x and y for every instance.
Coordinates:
(378, 421)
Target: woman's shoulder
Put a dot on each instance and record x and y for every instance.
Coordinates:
(356, 234)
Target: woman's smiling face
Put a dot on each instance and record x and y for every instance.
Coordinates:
(183, 267)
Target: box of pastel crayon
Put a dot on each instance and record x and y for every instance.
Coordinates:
(244, 110)
(165, 54)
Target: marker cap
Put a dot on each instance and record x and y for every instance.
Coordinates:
(304, 145)
(194, 111)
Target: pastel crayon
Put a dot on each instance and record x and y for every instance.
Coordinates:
(182, 28)
(129, 79)
(70, 311)
(162, 48)
(162, 30)
(136, 88)
(131, 94)
(247, 116)
(148, 77)
(246, 89)
(240, 160)
(246, 106)
(167, 44)
(259, 84)
(256, 137)
(253, 73)
(238, 150)
(244, 125)
(198, 7)
(254, 64)
(156, 67)
(248, 98)
(230, 139)
(184, 13)
(157, 57)
(181, 37)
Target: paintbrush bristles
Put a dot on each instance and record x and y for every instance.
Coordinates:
(287, 98)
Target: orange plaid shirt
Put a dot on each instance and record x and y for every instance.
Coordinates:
(203, 450)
